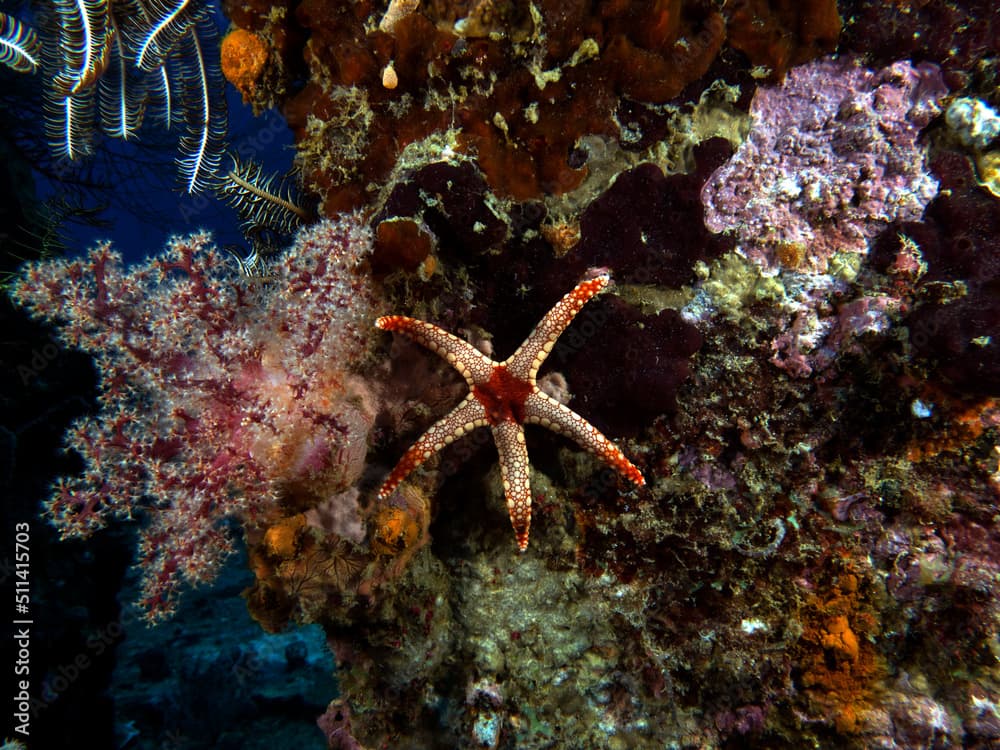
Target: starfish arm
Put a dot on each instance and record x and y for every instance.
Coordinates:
(461, 420)
(473, 365)
(546, 411)
(524, 363)
(516, 475)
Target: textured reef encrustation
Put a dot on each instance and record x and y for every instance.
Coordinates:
(797, 204)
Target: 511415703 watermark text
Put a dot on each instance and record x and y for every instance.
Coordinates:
(22, 623)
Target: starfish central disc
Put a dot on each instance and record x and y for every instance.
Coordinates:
(503, 396)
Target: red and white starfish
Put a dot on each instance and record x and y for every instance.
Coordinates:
(505, 397)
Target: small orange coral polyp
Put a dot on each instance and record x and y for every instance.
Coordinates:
(791, 255)
(840, 639)
(244, 55)
(393, 531)
(281, 539)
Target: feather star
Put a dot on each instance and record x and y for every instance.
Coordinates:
(504, 397)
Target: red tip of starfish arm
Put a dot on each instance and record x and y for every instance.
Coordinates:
(590, 287)
(581, 294)
(632, 474)
(415, 456)
(520, 519)
(522, 540)
(614, 458)
(463, 419)
(526, 361)
(391, 322)
(410, 461)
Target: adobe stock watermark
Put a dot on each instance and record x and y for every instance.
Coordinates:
(923, 332)
(62, 677)
(41, 358)
(22, 623)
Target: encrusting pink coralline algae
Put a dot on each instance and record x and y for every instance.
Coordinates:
(833, 156)
(218, 392)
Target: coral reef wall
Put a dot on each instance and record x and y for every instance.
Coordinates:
(797, 205)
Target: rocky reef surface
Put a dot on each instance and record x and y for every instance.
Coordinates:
(797, 203)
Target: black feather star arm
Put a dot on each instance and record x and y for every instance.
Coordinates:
(251, 266)
(203, 102)
(152, 35)
(263, 201)
(162, 94)
(83, 41)
(20, 49)
(69, 117)
(161, 84)
(121, 93)
(69, 122)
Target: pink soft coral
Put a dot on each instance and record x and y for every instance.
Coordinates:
(220, 394)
